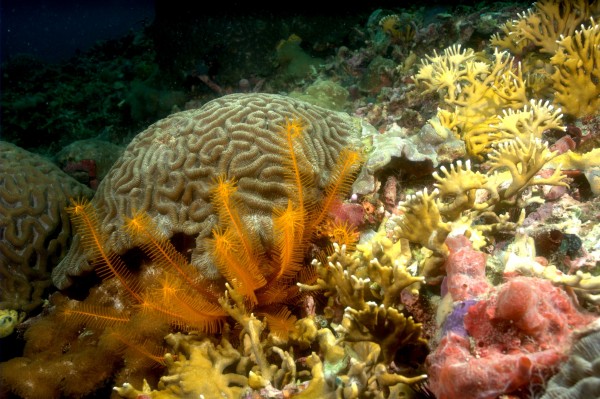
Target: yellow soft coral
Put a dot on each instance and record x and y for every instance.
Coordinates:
(577, 71)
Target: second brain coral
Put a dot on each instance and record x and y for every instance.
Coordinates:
(167, 170)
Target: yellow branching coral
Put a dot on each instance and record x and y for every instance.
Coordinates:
(196, 358)
(524, 161)
(367, 284)
(457, 189)
(543, 24)
(464, 201)
(531, 120)
(445, 71)
(576, 75)
(475, 92)
(422, 222)
(386, 326)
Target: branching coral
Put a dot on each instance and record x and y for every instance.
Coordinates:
(474, 93)
(368, 284)
(457, 189)
(422, 222)
(576, 77)
(531, 120)
(523, 161)
(196, 357)
(542, 25)
(464, 201)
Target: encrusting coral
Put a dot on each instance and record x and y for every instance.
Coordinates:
(34, 227)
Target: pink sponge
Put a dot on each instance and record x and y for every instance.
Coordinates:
(465, 270)
(516, 335)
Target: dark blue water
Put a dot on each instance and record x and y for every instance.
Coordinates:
(55, 30)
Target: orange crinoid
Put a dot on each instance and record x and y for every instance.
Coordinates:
(133, 309)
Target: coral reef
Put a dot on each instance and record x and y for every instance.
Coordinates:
(362, 361)
(542, 25)
(34, 226)
(167, 170)
(439, 240)
(131, 310)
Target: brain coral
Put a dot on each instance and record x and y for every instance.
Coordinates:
(34, 227)
(169, 169)
(579, 376)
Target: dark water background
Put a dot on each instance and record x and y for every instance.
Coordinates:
(53, 31)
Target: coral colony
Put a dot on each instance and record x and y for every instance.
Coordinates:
(276, 246)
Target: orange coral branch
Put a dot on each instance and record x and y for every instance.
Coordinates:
(143, 229)
(342, 177)
(84, 218)
(239, 268)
